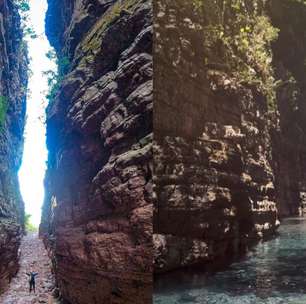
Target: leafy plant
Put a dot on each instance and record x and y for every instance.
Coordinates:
(29, 226)
(238, 34)
(56, 77)
(3, 109)
(24, 8)
(29, 32)
(23, 5)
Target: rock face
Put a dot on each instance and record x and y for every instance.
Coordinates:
(214, 171)
(13, 84)
(97, 215)
(289, 54)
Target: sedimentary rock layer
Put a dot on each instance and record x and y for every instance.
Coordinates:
(97, 216)
(213, 168)
(13, 84)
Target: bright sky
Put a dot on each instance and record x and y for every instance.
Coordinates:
(32, 171)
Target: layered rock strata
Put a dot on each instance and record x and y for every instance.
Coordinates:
(13, 84)
(97, 215)
(214, 173)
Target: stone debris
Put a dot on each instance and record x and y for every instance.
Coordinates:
(33, 256)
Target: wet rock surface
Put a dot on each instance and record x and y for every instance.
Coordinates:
(97, 216)
(33, 256)
(228, 162)
(272, 272)
(13, 83)
(214, 178)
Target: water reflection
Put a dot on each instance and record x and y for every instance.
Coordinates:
(273, 272)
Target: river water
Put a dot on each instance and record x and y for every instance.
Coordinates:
(274, 272)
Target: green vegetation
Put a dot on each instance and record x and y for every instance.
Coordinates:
(91, 43)
(23, 5)
(24, 8)
(94, 38)
(55, 78)
(237, 34)
(29, 226)
(29, 32)
(3, 109)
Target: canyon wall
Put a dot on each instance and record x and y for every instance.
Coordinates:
(97, 214)
(13, 84)
(289, 56)
(229, 152)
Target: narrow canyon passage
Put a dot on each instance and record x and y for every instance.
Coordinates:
(32, 256)
(94, 111)
(273, 272)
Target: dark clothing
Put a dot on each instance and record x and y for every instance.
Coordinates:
(32, 276)
(32, 286)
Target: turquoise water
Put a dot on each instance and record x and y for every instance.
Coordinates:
(274, 272)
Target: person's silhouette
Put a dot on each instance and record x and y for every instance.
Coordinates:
(32, 276)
